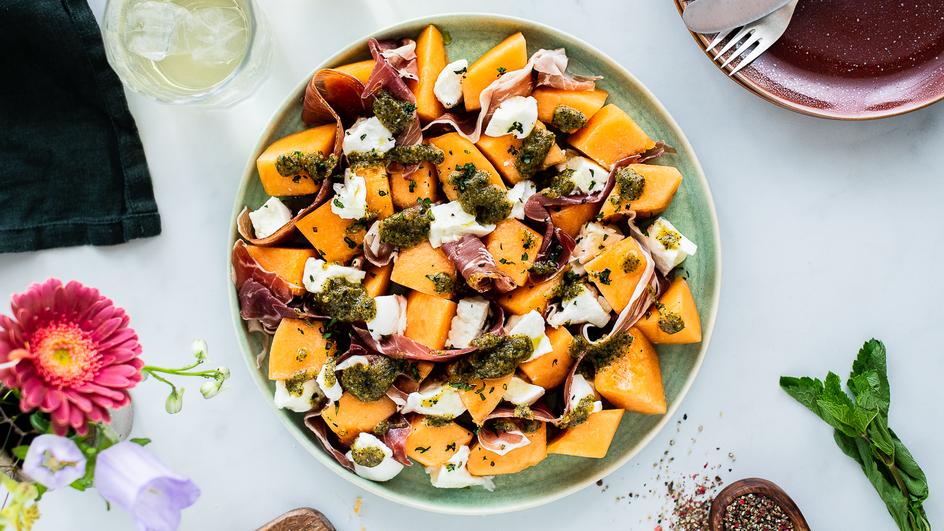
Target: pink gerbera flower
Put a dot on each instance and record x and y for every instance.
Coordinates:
(70, 352)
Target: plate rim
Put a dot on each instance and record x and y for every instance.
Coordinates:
(741, 79)
(374, 488)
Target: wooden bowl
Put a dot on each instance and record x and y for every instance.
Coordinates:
(754, 486)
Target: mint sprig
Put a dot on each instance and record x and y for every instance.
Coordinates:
(861, 431)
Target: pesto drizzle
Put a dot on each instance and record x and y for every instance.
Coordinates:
(478, 196)
(345, 301)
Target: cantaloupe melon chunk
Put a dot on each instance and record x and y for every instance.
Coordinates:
(421, 184)
(430, 60)
(590, 439)
(514, 246)
(289, 264)
(510, 54)
(379, 200)
(320, 139)
(633, 381)
(572, 218)
(428, 318)
(551, 369)
(360, 70)
(677, 302)
(482, 396)
(336, 239)
(609, 136)
(377, 279)
(434, 445)
(349, 416)
(617, 270)
(520, 301)
(502, 152)
(485, 463)
(426, 269)
(587, 102)
(660, 184)
(458, 152)
(298, 346)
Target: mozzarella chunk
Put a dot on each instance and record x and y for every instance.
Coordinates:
(270, 217)
(532, 325)
(317, 272)
(386, 470)
(298, 399)
(437, 401)
(350, 199)
(390, 318)
(588, 176)
(450, 223)
(592, 240)
(516, 115)
(448, 86)
(367, 135)
(352, 361)
(519, 195)
(586, 307)
(521, 393)
(668, 246)
(470, 317)
(333, 390)
(454, 474)
(580, 388)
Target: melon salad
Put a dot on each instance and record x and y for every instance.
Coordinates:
(462, 263)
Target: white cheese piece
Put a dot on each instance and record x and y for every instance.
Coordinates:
(450, 223)
(331, 392)
(317, 272)
(300, 401)
(514, 116)
(448, 86)
(519, 195)
(586, 307)
(580, 388)
(437, 401)
(366, 135)
(352, 361)
(593, 239)
(350, 199)
(271, 216)
(521, 393)
(470, 317)
(532, 325)
(668, 246)
(588, 176)
(390, 318)
(386, 470)
(455, 475)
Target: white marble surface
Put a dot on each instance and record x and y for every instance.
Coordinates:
(831, 234)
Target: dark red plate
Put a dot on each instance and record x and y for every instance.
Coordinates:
(852, 59)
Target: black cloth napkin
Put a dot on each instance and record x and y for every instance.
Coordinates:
(72, 168)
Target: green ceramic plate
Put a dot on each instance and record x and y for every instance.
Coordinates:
(692, 212)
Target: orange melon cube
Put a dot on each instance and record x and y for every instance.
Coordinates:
(434, 445)
(360, 70)
(590, 439)
(660, 185)
(430, 60)
(421, 266)
(520, 301)
(572, 218)
(587, 102)
(349, 416)
(485, 463)
(609, 136)
(678, 305)
(502, 151)
(298, 346)
(483, 396)
(551, 369)
(320, 139)
(617, 270)
(288, 264)
(378, 190)
(421, 184)
(458, 152)
(510, 54)
(633, 381)
(428, 318)
(377, 279)
(336, 239)
(514, 246)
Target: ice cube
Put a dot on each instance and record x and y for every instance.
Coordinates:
(216, 35)
(152, 26)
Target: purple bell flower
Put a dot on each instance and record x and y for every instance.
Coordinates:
(130, 477)
(54, 461)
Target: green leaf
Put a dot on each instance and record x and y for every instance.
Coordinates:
(838, 410)
(19, 452)
(911, 473)
(895, 501)
(143, 441)
(40, 422)
(805, 390)
(872, 357)
(881, 438)
(847, 445)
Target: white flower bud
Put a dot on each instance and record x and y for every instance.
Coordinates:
(199, 348)
(211, 388)
(175, 400)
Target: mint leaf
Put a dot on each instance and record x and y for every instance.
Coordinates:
(838, 410)
(143, 441)
(805, 390)
(872, 357)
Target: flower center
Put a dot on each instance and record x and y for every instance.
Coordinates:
(51, 463)
(65, 355)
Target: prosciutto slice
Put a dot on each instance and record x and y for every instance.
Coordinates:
(502, 443)
(246, 231)
(401, 347)
(333, 96)
(246, 268)
(317, 425)
(393, 64)
(395, 437)
(477, 265)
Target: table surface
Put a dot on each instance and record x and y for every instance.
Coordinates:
(817, 258)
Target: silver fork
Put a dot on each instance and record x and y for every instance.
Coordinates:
(760, 35)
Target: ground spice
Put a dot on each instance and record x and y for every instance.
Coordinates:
(756, 512)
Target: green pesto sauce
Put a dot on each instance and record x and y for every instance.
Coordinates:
(366, 159)
(544, 267)
(416, 153)
(560, 184)
(571, 286)
(669, 321)
(442, 282)
(567, 119)
(602, 353)
(630, 184)
(436, 421)
(478, 196)
(295, 384)
(670, 239)
(534, 149)
(578, 414)
(369, 457)
(381, 428)
(316, 165)
(499, 355)
(370, 382)
(329, 368)
(523, 411)
(631, 263)
(396, 115)
(406, 228)
(345, 301)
